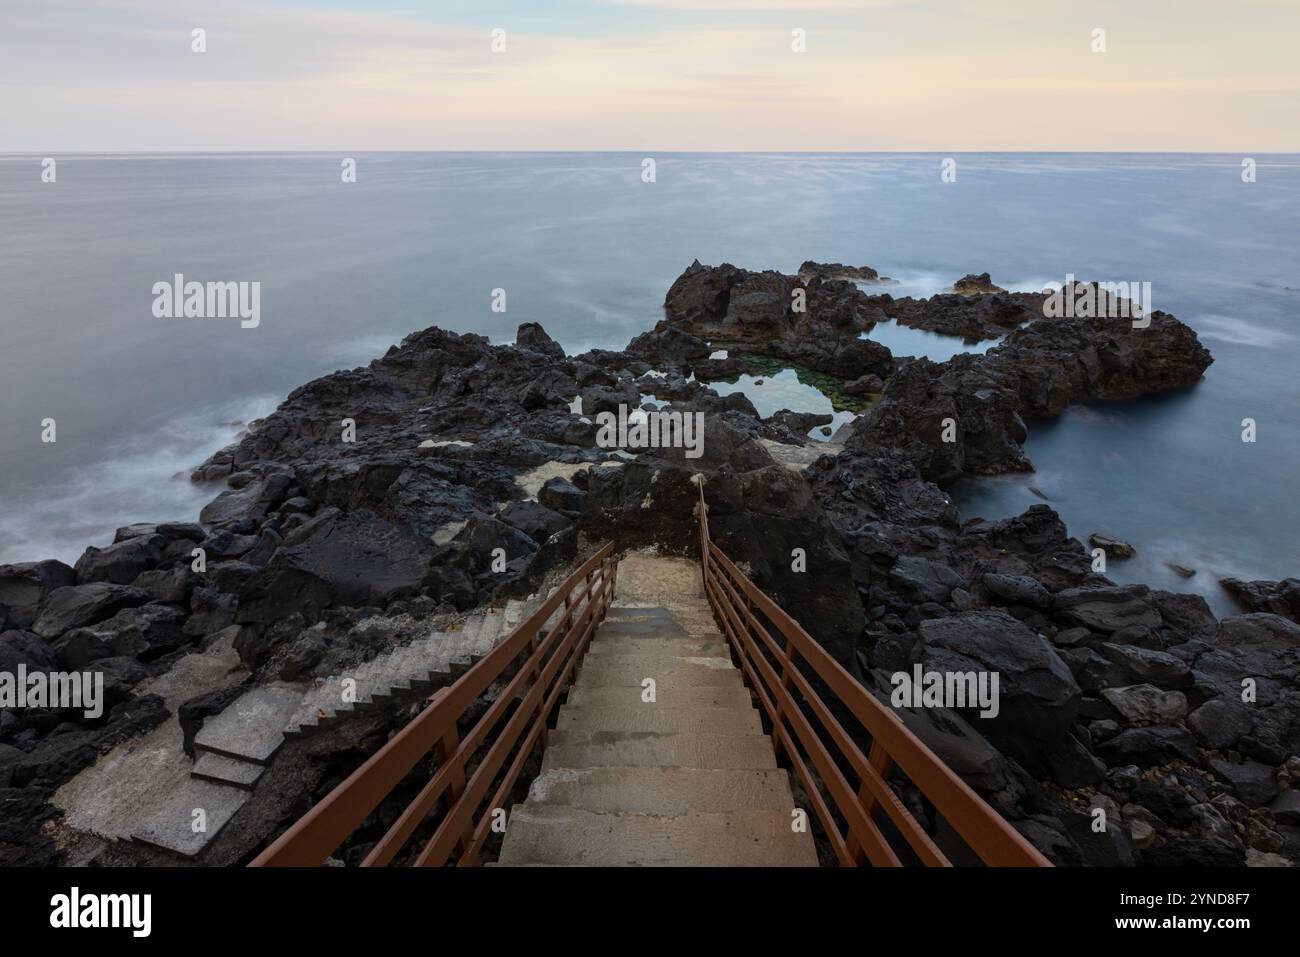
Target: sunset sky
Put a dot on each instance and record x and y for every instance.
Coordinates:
(948, 75)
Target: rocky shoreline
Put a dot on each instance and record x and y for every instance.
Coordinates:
(385, 492)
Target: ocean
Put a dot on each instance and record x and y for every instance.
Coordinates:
(581, 244)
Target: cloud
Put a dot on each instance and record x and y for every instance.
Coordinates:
(121, 76)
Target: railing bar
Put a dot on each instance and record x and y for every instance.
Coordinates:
(454, 824)
(536, 729)
(870, 780)
(320, 831)
(415, 812)
(831, 774)
(984, 830)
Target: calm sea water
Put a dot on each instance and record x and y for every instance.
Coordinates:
(583, 246)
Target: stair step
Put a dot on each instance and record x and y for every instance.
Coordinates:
(252, 726)
(682, 647)
(594, 749)
(223, 770)
(566, 835)
(172, 826)
(651, 628)
(674, 673)
(663, 791)
(660, 719)
(651, 661)
(728, 696)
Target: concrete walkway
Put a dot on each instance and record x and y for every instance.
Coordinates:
(688, 778)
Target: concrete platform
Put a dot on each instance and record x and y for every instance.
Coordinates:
(252, 728)
(172, 827)
(223, 770)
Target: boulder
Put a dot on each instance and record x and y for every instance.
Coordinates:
(146, 632)
(361, 558)
(532, 336)
(1108, 609)
(1016, 590)
(534, 519)
(122, 562)
(1038, 697)
(1112, 546)
(1279, 597)
(25, 585)
(1146, 704)
(925, 580)
(1149, 666)
(195, 711)
(26, 649)
(251, 501)
(170, 585)
(1148, 747)
(1220, 723)
(1254, 783)
(560, 495)
(77, 605)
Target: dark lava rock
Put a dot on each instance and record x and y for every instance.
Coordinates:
(1221, 722)
(362, 558)
(170, 585)
(58, 757)
(1255, 783)
(973, 285)
(78, 648)
(810, 269)
(1181, 851)
(561, 495)
(534, 519)
(147, 632)
(252, 500)
(1152, 667)
(195, 711)
(1113, 547)
(1148, 747)
(77, 605)
(122, 562)
(532, 336)
(1108, 609)
(1038, 696)
(951, 418)
(24, 586)
(24, 648)
(1279, 598)
(1016, 590)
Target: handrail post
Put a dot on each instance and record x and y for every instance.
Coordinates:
(737, 610)
(445, 751)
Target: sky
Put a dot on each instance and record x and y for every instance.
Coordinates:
(668, 75)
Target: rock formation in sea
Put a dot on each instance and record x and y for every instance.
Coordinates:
(382, 494)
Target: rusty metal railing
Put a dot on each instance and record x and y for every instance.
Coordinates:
(467, 766)
(780, 672)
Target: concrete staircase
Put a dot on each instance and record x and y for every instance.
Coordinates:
(410, 670)
(686, 779)
(234, 748)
